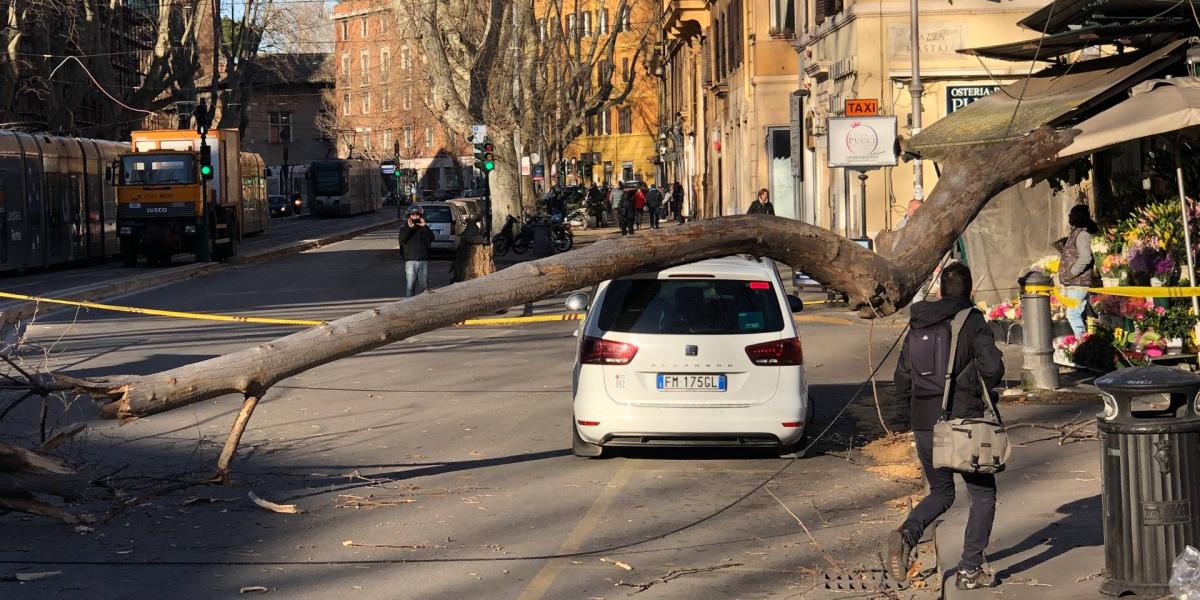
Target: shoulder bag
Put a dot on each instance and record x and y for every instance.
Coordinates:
(974, 445)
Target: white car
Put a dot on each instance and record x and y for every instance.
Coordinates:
(705, 354)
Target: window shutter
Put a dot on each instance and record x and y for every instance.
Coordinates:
(706, 65)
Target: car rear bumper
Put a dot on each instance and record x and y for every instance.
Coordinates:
(625, 425)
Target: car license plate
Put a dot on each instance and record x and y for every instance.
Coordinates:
(691, 383)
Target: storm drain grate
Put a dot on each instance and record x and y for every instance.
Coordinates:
(863, 580)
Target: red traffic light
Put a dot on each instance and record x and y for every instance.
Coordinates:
(489, 147)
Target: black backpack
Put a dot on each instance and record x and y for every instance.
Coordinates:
(928, 355)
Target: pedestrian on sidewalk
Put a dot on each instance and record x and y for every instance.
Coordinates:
(416, 240)
(639, 199)
(1077, 266)
(595, 203)
(921, 379)
(654, 199)
(762, 204)
(627, 210)
(677, 200)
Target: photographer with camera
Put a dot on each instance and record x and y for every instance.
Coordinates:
(416, 239)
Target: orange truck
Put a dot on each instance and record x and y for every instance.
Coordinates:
(175, 194)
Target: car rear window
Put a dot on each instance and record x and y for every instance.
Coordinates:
(437, 214)
(695, 306)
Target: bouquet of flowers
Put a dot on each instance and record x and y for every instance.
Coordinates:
(1068, 345)
(1005, 311)
(1046, 264)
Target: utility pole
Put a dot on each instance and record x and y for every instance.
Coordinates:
(916, 88)
(216, 61)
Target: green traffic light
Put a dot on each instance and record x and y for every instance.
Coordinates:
(488, 165)
(205, 170)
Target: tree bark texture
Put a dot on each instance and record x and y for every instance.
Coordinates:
(875, 284)
(24, 472)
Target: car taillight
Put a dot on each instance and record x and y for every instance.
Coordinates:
(599, 351)
(776, 353)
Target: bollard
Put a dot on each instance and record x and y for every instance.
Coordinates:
(1038, 370)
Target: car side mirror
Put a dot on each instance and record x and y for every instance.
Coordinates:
(578, 302)
(795, 304)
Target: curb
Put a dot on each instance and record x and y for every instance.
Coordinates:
(102, 291)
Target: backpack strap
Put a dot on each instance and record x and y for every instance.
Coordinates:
(956, 326)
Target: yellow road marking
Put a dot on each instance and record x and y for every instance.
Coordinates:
(574, 542)
(163, 313)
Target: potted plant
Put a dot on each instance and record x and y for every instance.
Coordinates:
(1174, 323)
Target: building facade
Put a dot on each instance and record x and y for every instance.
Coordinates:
(618, 144)
(863, 50)
(380, 105)
(287, 103)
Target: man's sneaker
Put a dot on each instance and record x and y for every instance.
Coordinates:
(970, 579)
(898, 550)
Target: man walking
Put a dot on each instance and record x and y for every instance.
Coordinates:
(627, 210)
(416, 238)
(595, 203)
(654, 200)
(921, 380)
(639, 206)
(762, 204)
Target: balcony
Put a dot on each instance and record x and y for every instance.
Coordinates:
(685, 19)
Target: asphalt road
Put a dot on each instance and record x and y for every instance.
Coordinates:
(436, 467)
(281, 231)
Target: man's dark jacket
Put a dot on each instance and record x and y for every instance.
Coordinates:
(761, 208)
(628, 203)
(654, 199)
(977, 353)
(415, 242)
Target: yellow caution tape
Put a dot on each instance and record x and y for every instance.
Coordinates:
(1131, 291)
(164, 313)
(532, 319)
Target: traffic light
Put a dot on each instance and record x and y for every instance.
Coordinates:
(485, 156)
(206, 170)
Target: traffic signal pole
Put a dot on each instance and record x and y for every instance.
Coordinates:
(485, 161)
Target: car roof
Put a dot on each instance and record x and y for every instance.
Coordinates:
(729, 267)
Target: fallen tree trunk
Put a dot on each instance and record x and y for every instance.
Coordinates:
(875, 284)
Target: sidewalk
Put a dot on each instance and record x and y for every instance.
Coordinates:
(1047, 541)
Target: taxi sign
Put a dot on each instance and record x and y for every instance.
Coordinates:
(862, 107)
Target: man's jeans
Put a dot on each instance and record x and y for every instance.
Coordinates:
(982, 489)
(1075, 313)
(416, 277)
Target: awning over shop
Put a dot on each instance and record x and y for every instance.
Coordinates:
(1052, 47)
(1156, 107)
(1055, 96)
(1061, 15)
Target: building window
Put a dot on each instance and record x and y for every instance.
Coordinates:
(345, 30)
(542, 30)
(279, 127)
(623, 20)
(364, 27)
(408, 141)
(364, 67)
(627, 170)
(783, 17)
(587, 23)
(428, 137)
(385, 100)
(408, 99)
(602, 21)
(590, 125)
(387, 141)
(346, 64)
(605, 127)
(366, 103)
(385, 63)
(625, 68)
(405, 59)
(625, 120)
(346, 104)
(571, 32)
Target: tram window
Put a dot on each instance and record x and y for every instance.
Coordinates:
(152, 169)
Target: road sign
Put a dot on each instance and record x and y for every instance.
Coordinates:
(526, 166)
(478, 133)
(539, 172)
(862, 142)
(862, 107)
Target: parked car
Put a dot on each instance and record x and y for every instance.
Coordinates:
(445, 219)
(701, 354)
(472, 208)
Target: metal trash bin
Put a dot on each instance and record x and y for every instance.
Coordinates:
(541, 238)
(1150, 445)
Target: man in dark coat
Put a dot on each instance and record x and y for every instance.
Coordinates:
(762, 204)
(416, 241)
(654, 200)
(976, 356)
(627, 210)
(677, 200)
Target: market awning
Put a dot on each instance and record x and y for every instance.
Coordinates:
(1051, 47)
(1055, 96)
(1156, 107)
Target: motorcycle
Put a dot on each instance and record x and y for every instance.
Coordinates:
(506, 240)
(561, 236)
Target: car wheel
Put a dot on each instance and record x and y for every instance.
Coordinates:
(800, 448)
(581, 448)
